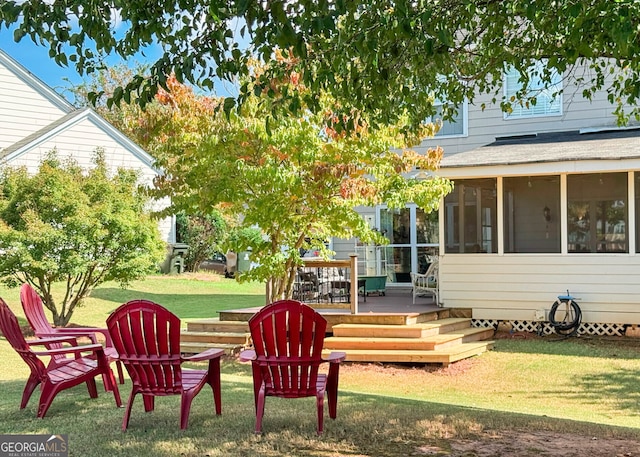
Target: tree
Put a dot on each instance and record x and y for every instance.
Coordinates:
(204, 234)
(388, 60)
(81, 227)
(295, 178)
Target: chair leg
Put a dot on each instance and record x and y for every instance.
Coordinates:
(320, 406)
(149, 402)
(49, 391)
(332, 390)
(127, 411)
(213, 378)
(120, 372)
(113, 387)
(185, 408)
(92, 388)
(31, 385)
(260, 399)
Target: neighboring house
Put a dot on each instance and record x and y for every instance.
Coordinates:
(546, 200)
(34, 119)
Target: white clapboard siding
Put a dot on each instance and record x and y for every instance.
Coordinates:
(484, 126)
(513, 287)
(78, 138)
(26, 103)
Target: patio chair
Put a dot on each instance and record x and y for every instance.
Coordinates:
(34, 312)
(147, 338)
(54, 378)
(427, 283)
(288, 337)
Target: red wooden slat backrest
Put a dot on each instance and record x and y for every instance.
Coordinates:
(34, 310)
(288, 337)
(11, 330)
(147, 339)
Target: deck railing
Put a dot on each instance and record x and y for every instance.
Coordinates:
(328, 284)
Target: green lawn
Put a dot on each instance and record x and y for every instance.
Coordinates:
(585, 386)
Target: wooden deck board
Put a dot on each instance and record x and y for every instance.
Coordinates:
(388, 328)
(433, 342)
(404, 331)
(443, 357)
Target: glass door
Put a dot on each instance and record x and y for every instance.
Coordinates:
(413, 240)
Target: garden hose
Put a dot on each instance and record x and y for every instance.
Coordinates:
(566, 327)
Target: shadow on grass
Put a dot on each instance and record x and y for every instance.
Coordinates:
(618, 386)
(367, 425)
(184, 305)
(596, 346)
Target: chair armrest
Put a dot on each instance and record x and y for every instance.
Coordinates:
(52, 340)
(209, 354)
(247, 355)
(97, 348)
(336, 357)
(88, 332)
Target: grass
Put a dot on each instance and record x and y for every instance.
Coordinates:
(586, 386)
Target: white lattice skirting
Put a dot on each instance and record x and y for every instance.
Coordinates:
(545, 328)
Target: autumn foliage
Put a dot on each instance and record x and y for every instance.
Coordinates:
(297, 178)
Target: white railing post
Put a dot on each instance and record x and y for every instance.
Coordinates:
(354, 283)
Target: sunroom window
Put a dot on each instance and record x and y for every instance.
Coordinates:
(532, 214)
(471, 217)
(597, 212)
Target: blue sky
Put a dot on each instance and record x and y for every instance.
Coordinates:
(35, 58)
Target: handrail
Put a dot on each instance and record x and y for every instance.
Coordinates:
(352, 265)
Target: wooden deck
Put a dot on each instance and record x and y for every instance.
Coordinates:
(387, 328)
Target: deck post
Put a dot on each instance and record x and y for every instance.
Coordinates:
(354, 283)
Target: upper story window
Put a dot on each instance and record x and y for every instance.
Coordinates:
(453, 127)
(538, 99)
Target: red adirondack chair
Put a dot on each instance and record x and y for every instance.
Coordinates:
(147, 338)
(34, 311)
(54, 379)
(287, 338)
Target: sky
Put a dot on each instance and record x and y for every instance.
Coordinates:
(36, 59)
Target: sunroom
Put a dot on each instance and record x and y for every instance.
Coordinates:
(534, 217)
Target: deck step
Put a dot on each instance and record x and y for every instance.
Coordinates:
(428, 343)
(401, 331)
(443, 357)
(215, 337)
(195, 348)
(217, 325)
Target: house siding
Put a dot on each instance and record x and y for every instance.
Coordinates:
(34, 120)
(33, 111)
(515, 286)
(484, 126)
(80, 143)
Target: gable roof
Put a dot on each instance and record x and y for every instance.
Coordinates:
(34, 82)
(67, 122)
(551, 147)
